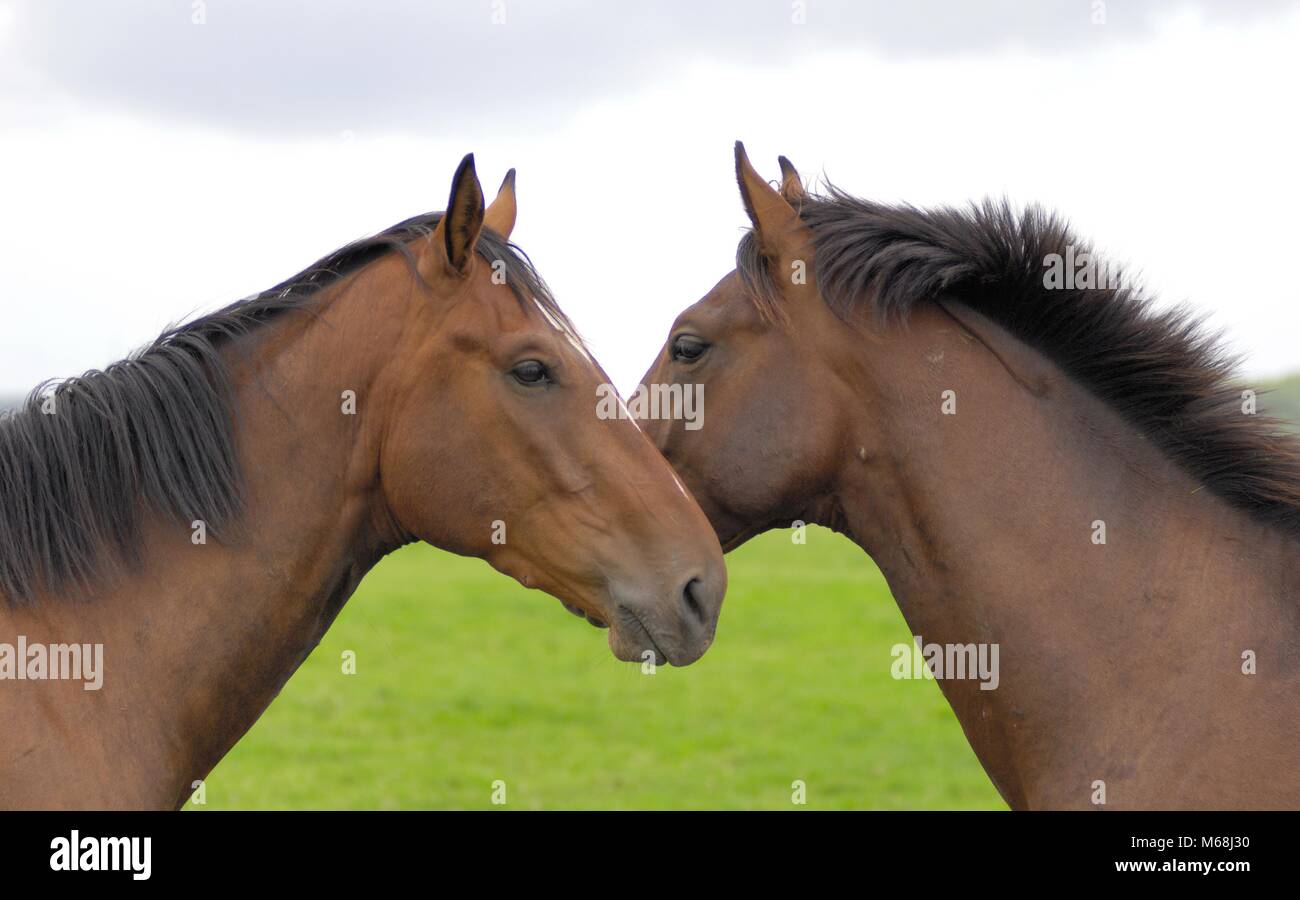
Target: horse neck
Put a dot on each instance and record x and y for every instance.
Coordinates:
(310, 424)
(201, 637)
(984, 522)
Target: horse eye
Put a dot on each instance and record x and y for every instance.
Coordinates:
(687, 348)
(531, 372)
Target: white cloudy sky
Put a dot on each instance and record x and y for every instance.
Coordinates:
(151, 167)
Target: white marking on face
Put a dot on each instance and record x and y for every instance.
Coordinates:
(626, 413)
(681, 487)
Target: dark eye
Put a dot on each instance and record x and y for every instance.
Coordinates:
(687, 348)
(531, 372)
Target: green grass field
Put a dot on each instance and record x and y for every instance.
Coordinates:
(464, 677)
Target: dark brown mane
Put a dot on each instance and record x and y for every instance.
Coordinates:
(1160, 369)
(157, 427)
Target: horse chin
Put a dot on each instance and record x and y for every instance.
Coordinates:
(635, 648)
(731, 542)
(733, 538)
(732, 526)
(581, 613)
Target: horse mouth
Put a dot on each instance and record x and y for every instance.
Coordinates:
(634, 634)
(630, 640)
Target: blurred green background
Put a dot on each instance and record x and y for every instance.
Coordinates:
(464, 677)
(1281, 398)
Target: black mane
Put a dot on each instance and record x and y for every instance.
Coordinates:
(1160, 369)
(154, 432)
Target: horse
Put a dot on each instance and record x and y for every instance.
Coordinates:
(1056, 469)
(200, 512)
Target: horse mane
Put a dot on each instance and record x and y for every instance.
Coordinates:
(154, 433)
(1162, 370)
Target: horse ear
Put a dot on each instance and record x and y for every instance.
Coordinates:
(791, 184)
(500, 216)
(457, 233)
(777, 226)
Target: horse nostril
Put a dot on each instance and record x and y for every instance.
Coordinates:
(693, 601)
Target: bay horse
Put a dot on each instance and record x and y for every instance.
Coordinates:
(202, 510)
(1060, 471)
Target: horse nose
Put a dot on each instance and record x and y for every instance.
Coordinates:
(701, 601)
(673, 625)
(695, 605)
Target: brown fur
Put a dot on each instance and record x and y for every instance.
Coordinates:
(1120, 663)
(198, 639)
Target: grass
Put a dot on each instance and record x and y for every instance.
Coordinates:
(463, 678)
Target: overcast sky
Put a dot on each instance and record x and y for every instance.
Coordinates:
(159, 157)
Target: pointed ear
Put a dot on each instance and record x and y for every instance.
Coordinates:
(778, 228)
(457, 233)
(500, 216)
(791, 184)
